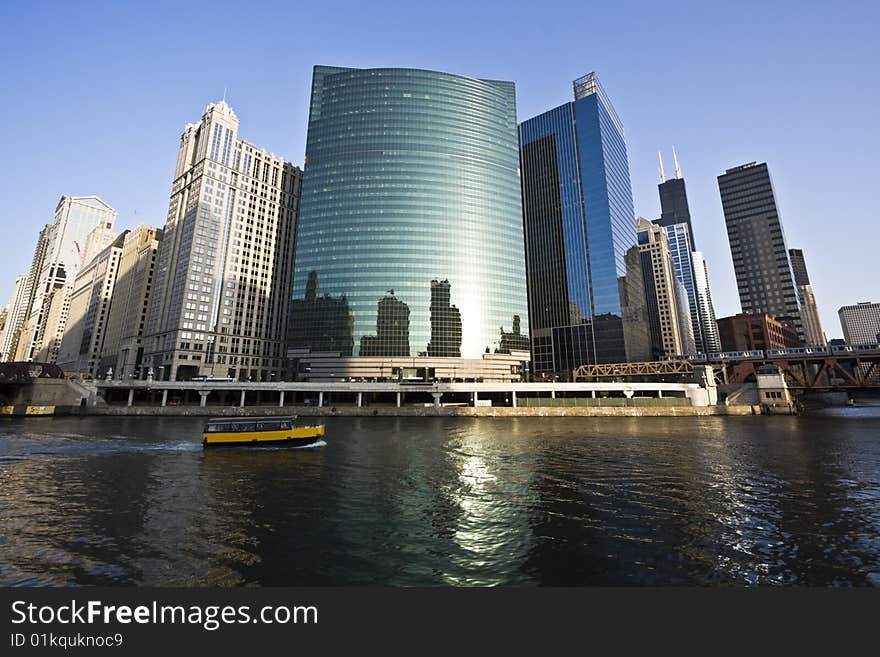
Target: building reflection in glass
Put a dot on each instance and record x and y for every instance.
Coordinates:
(321, 323)
(392, 329)
(445, 323)
(515, 340)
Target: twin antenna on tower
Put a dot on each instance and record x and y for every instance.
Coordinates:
(677, 167)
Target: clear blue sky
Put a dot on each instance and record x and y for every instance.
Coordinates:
(95, 96)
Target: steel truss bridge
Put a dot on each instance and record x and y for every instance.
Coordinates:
(838, 371)
(652, 368)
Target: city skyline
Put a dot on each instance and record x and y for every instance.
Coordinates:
(761, 117)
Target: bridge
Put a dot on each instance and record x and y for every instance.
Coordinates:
(804, 369)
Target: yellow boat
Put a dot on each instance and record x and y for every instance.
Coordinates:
(260, 431)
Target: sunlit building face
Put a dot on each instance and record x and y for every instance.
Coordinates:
(409, 240)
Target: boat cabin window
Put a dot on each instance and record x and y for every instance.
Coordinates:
(269, 426)
(236, 427)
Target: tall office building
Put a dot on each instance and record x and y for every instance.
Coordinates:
(122, 352)
(20, 349)
(757, 243)
(222, 285)
(860, 323)
(89, 305)
(17, 307)
(799, 267)
(668, 312)
(706, 310)
(60, 299)
(586, 296)
(814, 334)
(57, 260)
(676, 220)
(411, 222)
(681, 251)
(674, 207)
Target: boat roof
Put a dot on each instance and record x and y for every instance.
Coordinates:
(227, 420)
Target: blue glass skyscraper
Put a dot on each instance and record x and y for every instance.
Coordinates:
(586, 296)
(409, 241)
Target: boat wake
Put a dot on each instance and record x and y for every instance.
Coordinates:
(314, 445)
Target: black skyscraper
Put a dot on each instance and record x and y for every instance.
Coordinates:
(674, 206)
(799, 267)
(760, 258)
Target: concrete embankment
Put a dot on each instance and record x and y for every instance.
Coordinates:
(409, 411)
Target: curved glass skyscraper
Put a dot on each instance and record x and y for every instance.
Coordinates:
(410, 238)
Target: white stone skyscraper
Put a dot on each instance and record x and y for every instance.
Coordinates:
(705, 308)
(223, 277)
(122, 351)
(668, 311)
(57, 260)
(88, 307)
(14, 320)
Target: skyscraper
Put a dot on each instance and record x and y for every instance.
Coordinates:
(681, 251)
(757, 243)
(799, 267)
(705, 308)
(123, 351)
(674, 207)
(670, 321)
(411, 201)
(57, 260)
(222, 286)
(80, 347)
(813, 331)
(14, 319)
(21, 348)
(860, 322)
(676, 220)
(585, 305)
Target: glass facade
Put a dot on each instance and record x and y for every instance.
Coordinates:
(409, 240)
(680, 247)
(586, 295)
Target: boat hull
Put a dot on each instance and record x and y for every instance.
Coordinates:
(296, 437)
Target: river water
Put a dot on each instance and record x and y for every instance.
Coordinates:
(446, 501)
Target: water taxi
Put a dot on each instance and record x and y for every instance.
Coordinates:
(260, 431)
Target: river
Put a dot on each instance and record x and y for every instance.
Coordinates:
(446, 501)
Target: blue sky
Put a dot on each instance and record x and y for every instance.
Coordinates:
(95, 96)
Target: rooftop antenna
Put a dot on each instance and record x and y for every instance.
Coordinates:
(662, 173)
(677, 167)
(224, 94)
